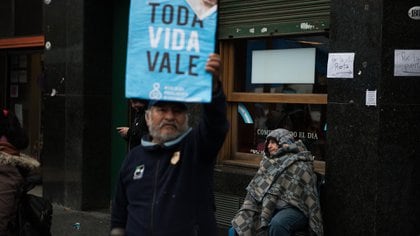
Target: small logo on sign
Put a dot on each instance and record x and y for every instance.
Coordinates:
(155, 93)
(414, 13)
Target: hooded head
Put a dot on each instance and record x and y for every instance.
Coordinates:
(281, 136)
(11, 129)
(139, 104)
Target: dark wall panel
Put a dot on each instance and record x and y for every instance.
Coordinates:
(6, 18)
(78, 66)
(28, 17)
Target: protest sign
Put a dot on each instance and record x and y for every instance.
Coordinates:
(168, 45)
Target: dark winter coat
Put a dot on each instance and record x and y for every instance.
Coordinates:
(137, 129)
(12, 165)
(168, 189)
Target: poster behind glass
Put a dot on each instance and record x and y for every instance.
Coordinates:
(306, 121)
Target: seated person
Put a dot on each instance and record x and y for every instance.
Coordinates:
(282, 198)
(15, 167)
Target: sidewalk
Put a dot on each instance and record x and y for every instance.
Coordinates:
(66, 222)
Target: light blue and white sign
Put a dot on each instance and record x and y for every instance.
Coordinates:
(169, 42)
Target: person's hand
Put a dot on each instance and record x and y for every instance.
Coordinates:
(122, 131)
(214, 66)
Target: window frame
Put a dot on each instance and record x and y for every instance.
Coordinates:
(22, 42)
(229, 154)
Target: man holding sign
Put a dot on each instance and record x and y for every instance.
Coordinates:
(165, 184)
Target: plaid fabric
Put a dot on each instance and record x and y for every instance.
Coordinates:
(246, 220)
(289, 178)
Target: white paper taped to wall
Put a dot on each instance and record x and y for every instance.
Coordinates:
(340, 65)
(407, 62)
(370, 98)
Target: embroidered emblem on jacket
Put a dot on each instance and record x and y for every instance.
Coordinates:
(138, 172)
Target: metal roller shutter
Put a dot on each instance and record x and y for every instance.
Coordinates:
(259, 18)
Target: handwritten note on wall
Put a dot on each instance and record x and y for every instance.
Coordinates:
(340, 65)
(407, 63)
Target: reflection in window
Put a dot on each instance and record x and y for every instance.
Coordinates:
(244, 58)
(306, 121)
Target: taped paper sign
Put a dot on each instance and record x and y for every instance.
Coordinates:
(407, 63)
(169, 42)
(370, 98)
(340, 65)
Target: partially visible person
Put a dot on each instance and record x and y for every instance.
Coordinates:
(14, 168)
(138, 127)
(209, 3)
(165, 184)
(203, 8)
(282, 198)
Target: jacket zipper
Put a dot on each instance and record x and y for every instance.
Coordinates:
(154, 198)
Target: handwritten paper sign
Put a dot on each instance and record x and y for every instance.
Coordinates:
(340, 65)
(407, 63)
(168, 45)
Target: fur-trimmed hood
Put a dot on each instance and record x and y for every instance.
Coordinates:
(21, 160)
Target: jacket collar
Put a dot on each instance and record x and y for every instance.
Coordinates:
(10, 156)
(147, 143)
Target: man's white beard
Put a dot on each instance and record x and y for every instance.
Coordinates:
(155, 132)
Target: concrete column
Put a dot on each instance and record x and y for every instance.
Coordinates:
(77, 109)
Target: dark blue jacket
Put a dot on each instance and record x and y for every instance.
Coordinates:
(161, 196)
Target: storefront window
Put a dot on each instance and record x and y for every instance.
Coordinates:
(276, 82)
(24, 88)
(284, 63)
(256, 120)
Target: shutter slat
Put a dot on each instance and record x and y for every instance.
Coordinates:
(226, 207)
(255, 18)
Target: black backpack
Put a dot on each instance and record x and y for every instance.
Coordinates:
(34, 213)
(34, 216)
